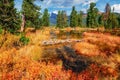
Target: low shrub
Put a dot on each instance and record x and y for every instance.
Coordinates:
(24, 40)
(106, 43)
(14, 66)
(1, 30)
(85, 48)
(8, 41)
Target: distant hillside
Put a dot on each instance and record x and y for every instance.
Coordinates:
(53, 18)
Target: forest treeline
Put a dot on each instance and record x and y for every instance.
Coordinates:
(12, 20)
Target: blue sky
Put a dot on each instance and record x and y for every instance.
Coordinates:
(83, 5)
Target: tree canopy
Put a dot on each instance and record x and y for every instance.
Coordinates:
(109, 17)
(79, 16)
(45, 18)
(73, 17)
(92, 16)
(9, 18)
(31, 13)
(62, 19)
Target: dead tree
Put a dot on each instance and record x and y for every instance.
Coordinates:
(23, 24)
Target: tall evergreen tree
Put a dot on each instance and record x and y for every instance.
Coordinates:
(59, 19)
(106, 16)
(110, 19)
(115, 22)
(62, 19)
(9, 19)
(31, 13)
(45, 18)
(92, 15)
(73, 17)
(118, 18)
(80, 18)
(100, 21)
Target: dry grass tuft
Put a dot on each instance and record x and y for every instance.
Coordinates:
(32, 51)
(14, 66)
(85, 48)
(9, 41)
(40, 35)
(107, 44)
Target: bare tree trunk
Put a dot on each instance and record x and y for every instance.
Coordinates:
(23, 24)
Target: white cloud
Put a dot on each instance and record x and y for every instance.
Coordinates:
(77, 1)
(48, 2)
(83, 2)
(84, 10)
(88, 2)
(66, 3)
(56, 12)
(116, 8)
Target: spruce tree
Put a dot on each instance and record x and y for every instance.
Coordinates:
(59, 19)
(92, 15)
(100, 21)
(106, 16)
(73, 17)
(114, 20)
(64, 19)
(31, 13)
(9, 18)
(110, 19)
(45, 18)
(118, 19)
(80, 18)
(88, 19)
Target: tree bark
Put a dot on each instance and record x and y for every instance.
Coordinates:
(23, 24)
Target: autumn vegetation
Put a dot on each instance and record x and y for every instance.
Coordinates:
(29, 62)
(95, 55)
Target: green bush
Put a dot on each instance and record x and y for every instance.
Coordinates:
(24, 40)
(1, 30)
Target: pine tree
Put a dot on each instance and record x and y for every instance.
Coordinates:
(9, 18)
(100, 21)
(110, 19)
(118, 19)
(59, 19)
(106, 16)
(80, 18)
(45, 18)
(64, 19)
(88, 19)
(92, 16)
(95, 17)
(31, 13)
(73, 17)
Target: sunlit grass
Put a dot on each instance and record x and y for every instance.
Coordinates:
(26, 62)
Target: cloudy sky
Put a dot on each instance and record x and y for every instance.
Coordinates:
(83, 5)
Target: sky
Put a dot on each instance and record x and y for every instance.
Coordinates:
(81, 5)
